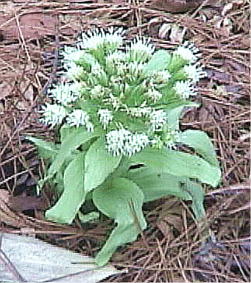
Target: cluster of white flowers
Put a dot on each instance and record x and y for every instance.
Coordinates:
(141, 50)
(105, 117)
(125, 142)
(72, 54)
(194, 72)
(184, 89)
(97, 91)
(65, 93)
(95, 39)
(188, 52)
(162, 76)
(141, 111)
(117, 86)
(154, 94)
(78, 118)
(158, 119)
(53, 114)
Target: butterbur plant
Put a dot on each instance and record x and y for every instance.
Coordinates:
(119, 144)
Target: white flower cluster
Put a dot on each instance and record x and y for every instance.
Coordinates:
(125, 142)
(185, 89)
(65, 93)
(122, 88)
(78, 118)
(188, 52)
(53, 114)
(93, 40)
(105, 117)
(194, 72)
(158, 119)
(141, 50)
(154, 94)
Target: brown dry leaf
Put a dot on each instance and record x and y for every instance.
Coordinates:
(175, 6)
(33, 25)
(23, 202)
(5, 89)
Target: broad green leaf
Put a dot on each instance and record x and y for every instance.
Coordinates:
(179, 164)
(122, 201)
(65, 131)
(46, 150)
(158, 62)
(156, 185)
(196, 192)
(73, 196)
(201, 143)
(99, 164)
(73, 141)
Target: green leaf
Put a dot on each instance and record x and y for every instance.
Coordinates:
(122, 201)
(65, 131)
(73, 196)
(179, 164)
(46, 150)
(196, 192)
(158, 62)
(156, 185)
(201, 144)
(99, 164)
(73, 141)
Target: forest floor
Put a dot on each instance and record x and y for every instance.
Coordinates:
(31, 33)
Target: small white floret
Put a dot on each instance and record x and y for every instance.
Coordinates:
(158, 120)
(79, 118)
(65, 93)
(194, 72)
(53, 114)
(184, 89)
(188, 52)
(141, 49)
(105, 117)
(154, 94)
(124, 142)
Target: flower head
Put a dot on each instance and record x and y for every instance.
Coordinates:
(72, 54)
(141, 50)
(97, 38)
(80, 118)
(184, 89)
(105, 117)
(194, 72)
(188, 52)
(65, 93)
(154, 94)
(125, 142)
(74, 71)
(158, 119)
(53, 114)
(162, 76)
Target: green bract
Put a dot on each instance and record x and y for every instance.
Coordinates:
(118, 113)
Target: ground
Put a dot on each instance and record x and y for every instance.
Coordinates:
(31, 33)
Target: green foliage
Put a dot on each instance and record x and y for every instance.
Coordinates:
(158, 62)
(73, 196)
(99, 164)
(46, 150)
(122, 107)
(122, 200)
(179, 164)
